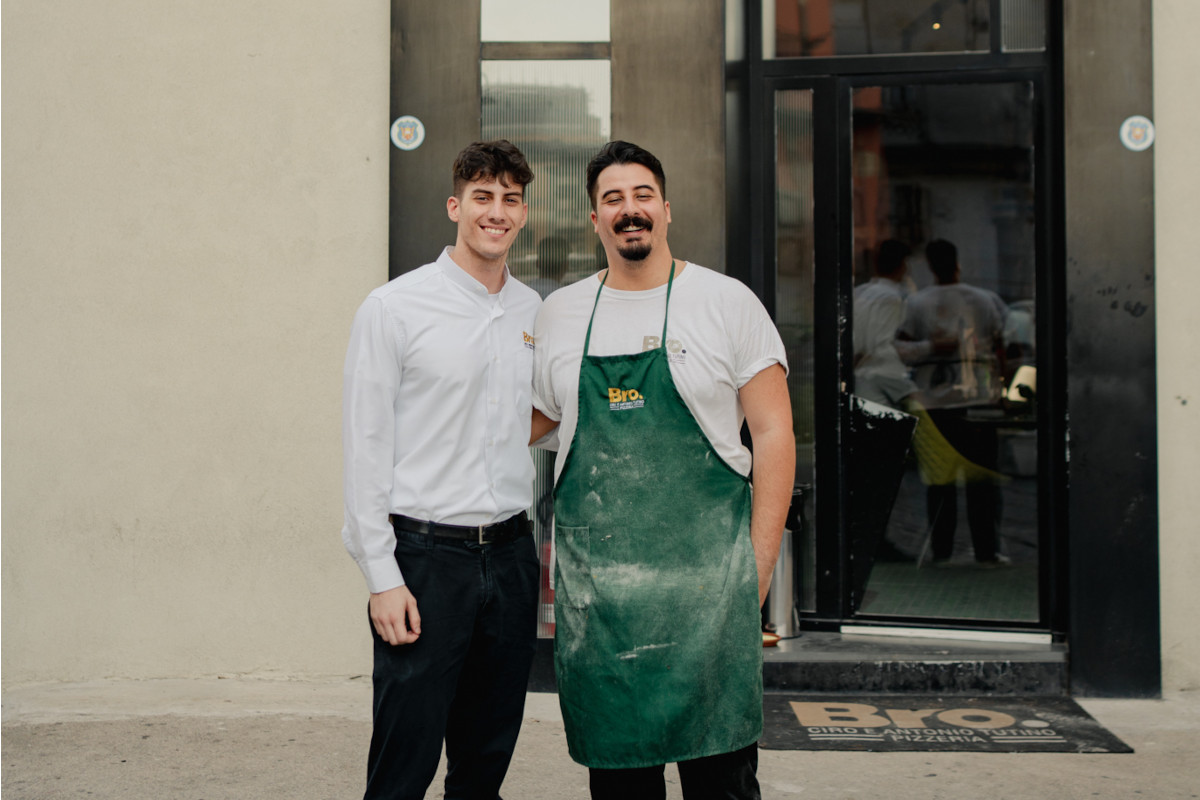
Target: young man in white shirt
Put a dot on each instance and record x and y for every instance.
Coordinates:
(438, 475)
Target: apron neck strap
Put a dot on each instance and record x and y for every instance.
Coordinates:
(662, 340)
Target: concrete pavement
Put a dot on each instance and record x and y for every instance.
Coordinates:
(251, 739)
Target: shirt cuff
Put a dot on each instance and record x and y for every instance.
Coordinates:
(382, 574)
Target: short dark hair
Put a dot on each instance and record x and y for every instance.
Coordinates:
(495, 159)
(943, 259)
(619, 152)
(890, 259)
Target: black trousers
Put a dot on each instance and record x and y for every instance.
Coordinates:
(464, 680)
(729, 776)
(977, 443)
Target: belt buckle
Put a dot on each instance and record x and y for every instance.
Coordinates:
(481, 527)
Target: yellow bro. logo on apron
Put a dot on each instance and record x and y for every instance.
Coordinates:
(658, 647)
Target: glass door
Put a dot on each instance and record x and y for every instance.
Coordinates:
(906, 251)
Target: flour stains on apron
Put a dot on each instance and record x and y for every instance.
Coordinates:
(658, 649)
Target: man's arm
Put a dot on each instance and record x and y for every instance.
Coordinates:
(769, 417)
(540, 426)
(371, 379)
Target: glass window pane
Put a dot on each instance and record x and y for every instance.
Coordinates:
(559, 114)
(544, 20)
(794, 265)
(947, 334)
(875, 27)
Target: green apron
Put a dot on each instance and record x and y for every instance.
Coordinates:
(658, 644)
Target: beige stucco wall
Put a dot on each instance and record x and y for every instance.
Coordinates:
(1177, 216)
(194, 204)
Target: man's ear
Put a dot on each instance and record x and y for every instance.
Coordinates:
(452, 208)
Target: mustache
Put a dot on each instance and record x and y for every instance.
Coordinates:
(636, 219)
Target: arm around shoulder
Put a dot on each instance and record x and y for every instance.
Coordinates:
(541, 426)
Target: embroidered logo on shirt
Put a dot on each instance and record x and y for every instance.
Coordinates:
(528, 339)
(624, 399)
(676, 352)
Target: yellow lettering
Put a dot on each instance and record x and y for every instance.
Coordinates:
(614, 395)
(858, 714)
(910, 717)
(976, 718)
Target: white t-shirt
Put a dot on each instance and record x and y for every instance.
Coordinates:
(974, 317)
(719, 336)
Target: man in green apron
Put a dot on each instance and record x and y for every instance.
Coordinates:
(663, 554)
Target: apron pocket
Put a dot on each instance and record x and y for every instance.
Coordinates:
(573, 585)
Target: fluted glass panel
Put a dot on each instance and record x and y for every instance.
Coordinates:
(1024, 25)
(794, 265)
(558, 113)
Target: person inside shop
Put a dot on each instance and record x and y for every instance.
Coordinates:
(649, 368)
(438, 477)
(955, 382)
(881, 371)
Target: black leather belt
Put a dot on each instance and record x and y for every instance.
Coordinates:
(498, 532)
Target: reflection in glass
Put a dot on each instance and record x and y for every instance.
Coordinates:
(947, 171)
(558, 113)
(876, 27)
(544, 20)
(794, 292)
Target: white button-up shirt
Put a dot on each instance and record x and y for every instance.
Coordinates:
(436, 409)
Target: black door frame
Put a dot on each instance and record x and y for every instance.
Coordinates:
(833, 291)
(753, 83)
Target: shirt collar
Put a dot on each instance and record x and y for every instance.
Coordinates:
(460, 277)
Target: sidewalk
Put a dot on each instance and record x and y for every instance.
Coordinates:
(245, 739)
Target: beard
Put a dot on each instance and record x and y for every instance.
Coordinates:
(634, 252)
(637, 251)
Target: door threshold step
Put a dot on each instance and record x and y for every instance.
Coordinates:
(823, 662)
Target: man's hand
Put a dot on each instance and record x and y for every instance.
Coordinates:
(395, 617)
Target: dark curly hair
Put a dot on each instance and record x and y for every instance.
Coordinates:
(499, 159)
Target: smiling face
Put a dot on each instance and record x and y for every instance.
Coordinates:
(631, 215)
(489, 212)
